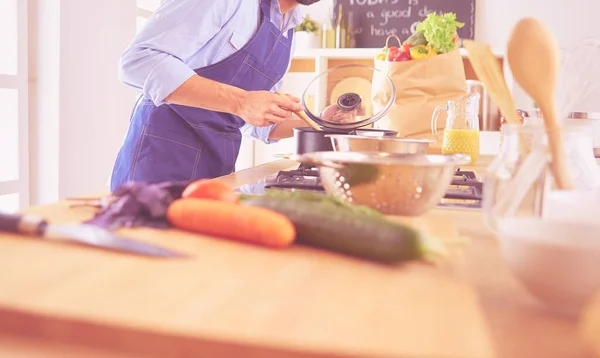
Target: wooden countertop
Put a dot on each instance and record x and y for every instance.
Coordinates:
(234, 300)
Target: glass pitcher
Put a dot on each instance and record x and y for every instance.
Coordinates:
(461, 132)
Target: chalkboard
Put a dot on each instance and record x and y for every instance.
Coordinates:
(375, 20)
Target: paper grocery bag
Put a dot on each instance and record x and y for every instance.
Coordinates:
(421, 86)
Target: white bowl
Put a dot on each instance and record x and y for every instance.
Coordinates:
(557, 261)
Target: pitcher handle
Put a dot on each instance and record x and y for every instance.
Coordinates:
(434, 120)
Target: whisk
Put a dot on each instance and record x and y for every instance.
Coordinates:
(579, 79)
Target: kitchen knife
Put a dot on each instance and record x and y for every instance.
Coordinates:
(80, 234)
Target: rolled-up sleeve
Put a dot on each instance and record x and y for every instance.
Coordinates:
(154, 62)
(259, 133)
(262, 133)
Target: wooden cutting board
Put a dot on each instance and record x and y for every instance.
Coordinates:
(235, 300)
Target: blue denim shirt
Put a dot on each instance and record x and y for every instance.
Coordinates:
(183, 35)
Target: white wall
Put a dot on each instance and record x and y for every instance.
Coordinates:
(320, 11)
(79, 109)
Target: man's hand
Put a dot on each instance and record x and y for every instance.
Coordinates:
(263, 108)
(259, 108)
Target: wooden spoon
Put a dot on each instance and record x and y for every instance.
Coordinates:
(488, 70)
(533, 57)
(305, 118)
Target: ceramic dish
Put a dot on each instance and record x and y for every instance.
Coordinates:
(556, 261)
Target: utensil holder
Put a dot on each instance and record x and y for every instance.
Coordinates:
(517, 181)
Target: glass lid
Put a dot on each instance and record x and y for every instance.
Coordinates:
(349, 97)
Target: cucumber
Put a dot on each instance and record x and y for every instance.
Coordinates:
(325, 222)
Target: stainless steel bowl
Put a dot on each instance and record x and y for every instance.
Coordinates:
(394, 184)
(358, 143)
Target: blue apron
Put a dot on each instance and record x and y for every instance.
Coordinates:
(181, 143)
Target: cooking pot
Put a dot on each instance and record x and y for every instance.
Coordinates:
(347, 107)
(309, 140)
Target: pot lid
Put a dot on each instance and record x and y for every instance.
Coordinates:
(349, 97)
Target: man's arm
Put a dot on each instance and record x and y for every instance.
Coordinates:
(154, 61)
(215, 96)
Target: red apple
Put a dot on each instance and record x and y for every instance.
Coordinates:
(402, 56)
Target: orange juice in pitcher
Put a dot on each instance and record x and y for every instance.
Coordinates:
(461, 131)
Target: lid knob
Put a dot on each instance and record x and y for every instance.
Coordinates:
(348, 101)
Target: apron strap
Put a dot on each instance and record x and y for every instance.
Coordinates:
(265, 8)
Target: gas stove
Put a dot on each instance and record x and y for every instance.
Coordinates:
(303, 178)
(465, 191)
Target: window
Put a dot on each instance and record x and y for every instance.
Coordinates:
(14, 179)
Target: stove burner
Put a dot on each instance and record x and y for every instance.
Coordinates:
(465, 174)
(464, 188)
(305, 178)
(303, 170)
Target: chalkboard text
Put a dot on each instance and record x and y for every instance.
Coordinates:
(375, 20)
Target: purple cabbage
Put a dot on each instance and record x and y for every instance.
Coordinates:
(136, 204)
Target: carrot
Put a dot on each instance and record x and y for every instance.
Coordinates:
(253, 225)
(210, 189)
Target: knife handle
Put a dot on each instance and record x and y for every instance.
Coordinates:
(22, 224)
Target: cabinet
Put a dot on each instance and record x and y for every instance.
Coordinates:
(306, 64)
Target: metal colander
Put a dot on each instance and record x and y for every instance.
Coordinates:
(394, 184)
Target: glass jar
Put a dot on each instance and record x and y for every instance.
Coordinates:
(525, 116)
(519, 178)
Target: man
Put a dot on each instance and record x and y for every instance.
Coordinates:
(207, 70)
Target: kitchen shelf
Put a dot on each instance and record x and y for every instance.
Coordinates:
(353, 53)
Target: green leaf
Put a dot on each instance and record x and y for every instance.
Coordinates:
(439, 31)
(307, 25)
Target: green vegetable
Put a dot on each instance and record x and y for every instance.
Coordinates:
(356, 173)
(325, 222)
(314, 197)
(416, 39)
(308, 25)
(439, 31)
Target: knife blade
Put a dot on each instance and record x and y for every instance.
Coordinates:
(88, 235)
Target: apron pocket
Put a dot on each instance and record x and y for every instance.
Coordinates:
(232, 146)
(163, 155)
(219, 153)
